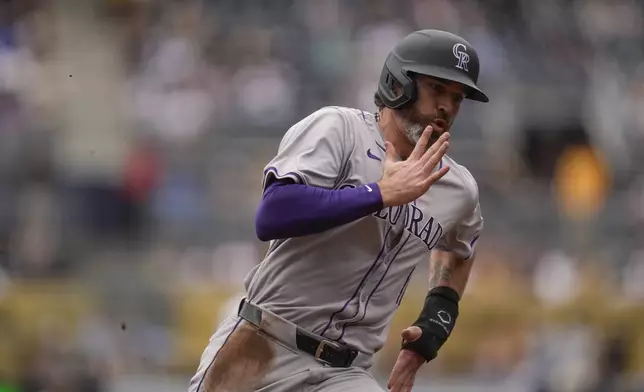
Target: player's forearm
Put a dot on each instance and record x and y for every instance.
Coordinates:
(295, 210)
(448, 277)
(448, 271)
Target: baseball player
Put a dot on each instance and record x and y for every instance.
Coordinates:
(352, 203)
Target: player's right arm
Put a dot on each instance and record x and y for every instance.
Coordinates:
(300, 196)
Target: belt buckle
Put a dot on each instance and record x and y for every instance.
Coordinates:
(320, 349)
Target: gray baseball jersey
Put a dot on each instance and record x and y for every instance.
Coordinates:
(347, 282)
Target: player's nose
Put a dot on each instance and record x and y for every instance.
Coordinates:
(445, 107)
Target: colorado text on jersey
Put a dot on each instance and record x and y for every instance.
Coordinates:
(427, 230)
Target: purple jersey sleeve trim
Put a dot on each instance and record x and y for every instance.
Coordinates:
(271, 174)
(290, 210)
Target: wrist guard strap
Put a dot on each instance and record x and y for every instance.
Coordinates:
(436, 320)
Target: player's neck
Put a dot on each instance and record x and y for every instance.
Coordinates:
(393, 133)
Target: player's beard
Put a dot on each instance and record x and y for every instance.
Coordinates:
(414, 125)
(413, 131)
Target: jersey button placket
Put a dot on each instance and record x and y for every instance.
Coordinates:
(373, 281)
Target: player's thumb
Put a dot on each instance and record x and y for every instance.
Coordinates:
(411, 334)
(390, 151)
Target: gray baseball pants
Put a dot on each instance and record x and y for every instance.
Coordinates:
(238, 358)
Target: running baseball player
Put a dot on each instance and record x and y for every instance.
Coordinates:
(352, 203)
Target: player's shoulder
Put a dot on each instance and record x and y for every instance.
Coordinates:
(339, 119)
(321, 121)
(348, 114)
(463, 177)
(336, 122)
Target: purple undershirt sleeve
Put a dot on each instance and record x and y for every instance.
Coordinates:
(290, 210)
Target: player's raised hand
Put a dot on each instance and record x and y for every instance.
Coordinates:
(405, 181)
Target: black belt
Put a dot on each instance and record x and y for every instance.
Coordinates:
(328, 352)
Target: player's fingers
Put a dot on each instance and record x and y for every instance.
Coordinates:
(409, 382)
(390, 152)
(403, 383)
(396, 386)
(437, 150)
(437, 175)
(396, 375)
(430, 161)
(421, 145)
(393, 378)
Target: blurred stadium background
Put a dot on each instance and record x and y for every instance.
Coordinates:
(133, 136)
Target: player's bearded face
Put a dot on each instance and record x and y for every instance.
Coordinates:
(415, 124)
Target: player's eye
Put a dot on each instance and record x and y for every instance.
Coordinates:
(458, 98)
(437, 88)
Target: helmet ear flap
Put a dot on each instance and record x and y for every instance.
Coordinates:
(395, 88)
(391, 82)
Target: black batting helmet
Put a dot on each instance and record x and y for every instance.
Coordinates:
(433, 53)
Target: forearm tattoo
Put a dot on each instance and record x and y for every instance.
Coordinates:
(441, 273)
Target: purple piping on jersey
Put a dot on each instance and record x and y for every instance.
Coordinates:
(296, 176)
(471, 246)
(474, 240)
(402, 290)
(217, 353)
(363, 116)
(344, 326)
(381, 147)
(364, 278)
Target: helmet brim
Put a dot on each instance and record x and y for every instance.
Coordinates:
(471, 90)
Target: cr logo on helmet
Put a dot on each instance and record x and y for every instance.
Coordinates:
(461, 55)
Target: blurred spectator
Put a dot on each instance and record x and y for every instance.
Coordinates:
(632, 277)
(172, 95)
(556, 278)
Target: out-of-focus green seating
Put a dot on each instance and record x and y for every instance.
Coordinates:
(33, 312)
(196, 314)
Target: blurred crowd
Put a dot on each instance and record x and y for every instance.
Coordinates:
(133, 135)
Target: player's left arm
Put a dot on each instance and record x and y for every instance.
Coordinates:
(450, 265)
(448, 276)
(450, 270)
